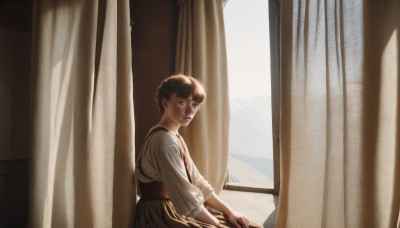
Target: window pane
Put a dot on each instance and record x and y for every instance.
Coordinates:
(247, 37)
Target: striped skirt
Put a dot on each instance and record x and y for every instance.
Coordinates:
(161, 213)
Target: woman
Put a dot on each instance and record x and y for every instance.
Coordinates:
(173, 192)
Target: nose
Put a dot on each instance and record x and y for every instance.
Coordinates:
(190, 109)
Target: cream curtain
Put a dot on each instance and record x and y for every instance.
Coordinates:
(340, 118)
(201, 53)
(83, 130)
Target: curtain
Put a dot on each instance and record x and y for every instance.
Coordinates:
(340, 117)
(201, 53)
(83, 128)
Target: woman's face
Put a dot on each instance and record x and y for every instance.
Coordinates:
(180, 111)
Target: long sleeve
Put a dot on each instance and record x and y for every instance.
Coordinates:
(199, 181)
(186, 197)
(161, 160)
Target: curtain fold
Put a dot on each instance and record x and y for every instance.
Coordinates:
(201, 53)
(83, 129)
(340, 118)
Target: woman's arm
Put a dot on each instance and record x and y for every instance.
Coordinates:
(214, 201)
(205, 216)
(237, 219)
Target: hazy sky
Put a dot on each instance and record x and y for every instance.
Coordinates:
(247, 40)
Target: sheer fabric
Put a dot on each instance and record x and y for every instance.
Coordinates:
(340, 118)
(83, 129)
(201, 53)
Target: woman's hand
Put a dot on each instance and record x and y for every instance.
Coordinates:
(238, 220)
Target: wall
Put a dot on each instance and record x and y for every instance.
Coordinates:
(153, 48)
(15, 43)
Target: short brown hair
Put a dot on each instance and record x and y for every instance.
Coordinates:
(181, 85)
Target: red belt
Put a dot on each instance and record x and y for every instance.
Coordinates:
(153, 190)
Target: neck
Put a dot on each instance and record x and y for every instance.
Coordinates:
(169, 124)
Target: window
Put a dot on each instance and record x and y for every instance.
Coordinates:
(251, 147)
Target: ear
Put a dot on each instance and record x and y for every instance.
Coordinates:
(164, 102)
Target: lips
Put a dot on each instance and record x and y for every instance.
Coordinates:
(187, 118)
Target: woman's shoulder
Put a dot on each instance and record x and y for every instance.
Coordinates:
(162, 137)
(164, 143)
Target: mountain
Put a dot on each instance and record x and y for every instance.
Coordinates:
(251, 172)
(250, 136)
(250, 130)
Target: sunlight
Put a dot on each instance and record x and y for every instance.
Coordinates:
(247, 29)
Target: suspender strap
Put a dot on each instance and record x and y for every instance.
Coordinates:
(185, 157)
(184, 153)
(145, 142)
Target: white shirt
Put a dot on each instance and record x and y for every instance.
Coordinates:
(161, 160)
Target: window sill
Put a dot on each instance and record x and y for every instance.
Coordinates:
(258, 207)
